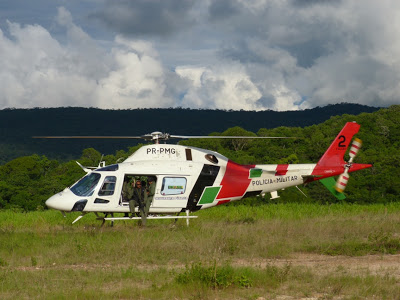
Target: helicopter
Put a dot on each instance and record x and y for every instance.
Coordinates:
(189, 179)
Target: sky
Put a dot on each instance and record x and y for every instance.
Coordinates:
(209, 54)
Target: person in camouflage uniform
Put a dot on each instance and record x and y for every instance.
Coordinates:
(127, 194)
(139, 199)
(151, 190)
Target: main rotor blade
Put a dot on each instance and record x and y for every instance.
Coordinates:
(90, 137)
(161, 137)
(227, 137)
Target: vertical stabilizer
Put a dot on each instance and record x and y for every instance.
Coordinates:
(332, 163)
(336, 151)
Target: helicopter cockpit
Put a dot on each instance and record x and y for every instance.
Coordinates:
(86, 185)
(76, 197)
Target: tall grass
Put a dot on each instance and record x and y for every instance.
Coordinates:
(44, 250)
(223, 213)
(295, 211)
(222, 281)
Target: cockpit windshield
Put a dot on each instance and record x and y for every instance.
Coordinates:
(86, 185)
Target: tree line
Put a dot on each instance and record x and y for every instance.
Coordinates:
(27, 182)
(17, 126)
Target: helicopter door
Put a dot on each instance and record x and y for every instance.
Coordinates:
(173, 192)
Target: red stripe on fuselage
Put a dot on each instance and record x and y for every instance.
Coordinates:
(235, 181)
(223, 202)
(281, 170)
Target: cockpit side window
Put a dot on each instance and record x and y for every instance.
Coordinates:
(108, 186)
(86, 185)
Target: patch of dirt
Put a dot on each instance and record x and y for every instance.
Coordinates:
(324, 264)
(319, 264)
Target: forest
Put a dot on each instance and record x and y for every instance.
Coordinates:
(26, 182)
(17, 126)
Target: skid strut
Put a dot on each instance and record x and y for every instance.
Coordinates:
(79, 217)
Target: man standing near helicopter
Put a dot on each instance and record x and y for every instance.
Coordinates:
(127, 194)
(139, 199)
(151, 190)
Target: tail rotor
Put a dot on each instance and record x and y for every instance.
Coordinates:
(341, 183)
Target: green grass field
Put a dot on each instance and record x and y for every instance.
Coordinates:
(235, 251)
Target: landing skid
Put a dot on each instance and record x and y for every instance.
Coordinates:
(150, 217)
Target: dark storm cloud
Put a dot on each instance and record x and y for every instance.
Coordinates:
(240, 51)
(314, 2)
(307, 52)
(314, 52)
(306, 32)
(146, 17)
(222, 9)
(30, 14)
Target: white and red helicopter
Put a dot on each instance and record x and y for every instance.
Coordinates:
(189, 179)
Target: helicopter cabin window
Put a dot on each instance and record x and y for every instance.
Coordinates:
(173, 186)
(108, 186)
(86, 185)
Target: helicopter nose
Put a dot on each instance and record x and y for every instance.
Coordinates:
(59, 202)
(52, 202)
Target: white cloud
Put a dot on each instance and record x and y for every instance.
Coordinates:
(257, 54)
(222, 87)
(42, 72)
(138, 78)
(37, 71)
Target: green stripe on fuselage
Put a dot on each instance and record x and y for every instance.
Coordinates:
(254, 173)
(209, 194)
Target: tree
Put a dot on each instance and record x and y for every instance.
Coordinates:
(237, 144)
(90, 157)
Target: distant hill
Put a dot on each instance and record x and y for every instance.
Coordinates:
(17, 126)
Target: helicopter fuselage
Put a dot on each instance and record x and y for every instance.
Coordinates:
(186, 178)
(189, 179)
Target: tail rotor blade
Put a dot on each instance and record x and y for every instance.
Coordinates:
(341, 183)
(355, 147)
